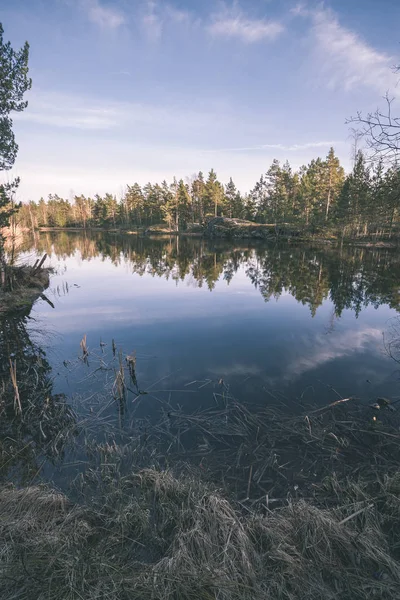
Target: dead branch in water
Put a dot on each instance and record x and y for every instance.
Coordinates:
(13, 374)
(84, 348)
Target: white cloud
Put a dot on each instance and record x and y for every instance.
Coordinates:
(105, 17)
(178, 15)
(152, 21)
(58, 110)
(299, 9)
(348, 61)
(79, 112)
(231, 23)
(291, 148)
(320, 349)
(158, 17)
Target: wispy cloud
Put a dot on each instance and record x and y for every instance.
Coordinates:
(106, 17)
(232, 23)
(58, 110)
(315, 351)
(159, 16)
(348, 61)
(178, 15)
(78, 112)
(299, 9)
(282, 147)
(152, 21)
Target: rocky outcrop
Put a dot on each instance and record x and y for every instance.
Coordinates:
(223, 227)
(162, 229)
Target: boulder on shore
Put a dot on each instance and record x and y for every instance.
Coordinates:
(224, 227)
(163, 229)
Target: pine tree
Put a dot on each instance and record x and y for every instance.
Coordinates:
(259, 199)
(134, 202)
(312, 192)
(354, 199)
(391, 196)
(377, 211)
(213, 195)
(99, 211)
(230, 198)
(183, 205)
(198, 193)
(333, 181)
(14, 82)
(42, 213)
(111, 209)
(276, 192)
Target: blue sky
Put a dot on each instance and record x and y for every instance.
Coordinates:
(131, 90)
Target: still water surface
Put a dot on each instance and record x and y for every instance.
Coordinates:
(270, 321)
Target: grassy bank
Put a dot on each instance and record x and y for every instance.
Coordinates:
(21, 285)
(150, 535)
(227, 503)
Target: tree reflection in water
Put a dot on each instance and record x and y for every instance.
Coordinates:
(352, 278)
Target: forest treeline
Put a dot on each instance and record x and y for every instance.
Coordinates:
(317, 197)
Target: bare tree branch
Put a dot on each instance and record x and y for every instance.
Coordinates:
(381, 130)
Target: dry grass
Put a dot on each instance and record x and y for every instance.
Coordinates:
(271, 454)
(260, 504)
(151, 535)
(21, 287)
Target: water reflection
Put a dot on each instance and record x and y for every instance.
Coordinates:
(294, 319)
(320, 339)
(351, 278)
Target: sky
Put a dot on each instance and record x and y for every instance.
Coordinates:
(129, 91)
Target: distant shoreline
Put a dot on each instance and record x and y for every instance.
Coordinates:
(119, 230)
(163, 233)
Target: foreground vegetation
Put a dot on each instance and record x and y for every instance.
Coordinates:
(152, 535)
(257, 505)
(233, 501)
(318, 199)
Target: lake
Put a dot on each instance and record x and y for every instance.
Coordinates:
(267, 321)
(134, 332)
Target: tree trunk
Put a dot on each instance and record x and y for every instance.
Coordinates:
(31, 216)
(328, 203)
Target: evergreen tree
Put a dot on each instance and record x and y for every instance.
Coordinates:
(391, 197)
(354, 200)
(111, 209)
(312, 190)
(276, 192)
(14, 82)
(42, 213)
(333, 181)
(198, 193)
(230, 197)
(257, 204)
(134, 201)
(213, 195)
(183, 205)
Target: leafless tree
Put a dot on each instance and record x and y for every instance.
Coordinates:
(381, 130)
